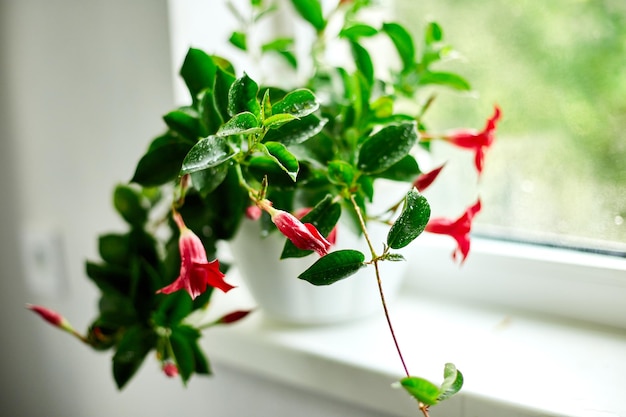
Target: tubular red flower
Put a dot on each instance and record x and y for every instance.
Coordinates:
(458, 229)
(332, 236)
(195, 270)
(50, 316)
(477, 141)
(303, 235)
(424, 181)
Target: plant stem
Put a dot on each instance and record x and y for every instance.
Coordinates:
(375, 260)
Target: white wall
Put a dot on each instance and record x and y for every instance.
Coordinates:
(82, 86)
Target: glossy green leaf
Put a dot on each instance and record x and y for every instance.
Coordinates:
(297, 131)
(334, 267)
(210, 114)
(131, 352)
(186, 121)
(109, 278)
(324, 216)
(200, 360)
(162, 161)
(238, 39)
(299, 103)
(447, 79)
(131, 205)
(403, 42)
(405, 169)
(357, 31)
(172, 309)
(311, 11)
(114, 248)
(264, 165)
(421, 389)
(363, 62)
(277, 120)
(412, 221)
(452, 383)
(239, 124)
(223, 82)
(198, 71)
(285, 159)
(242, 97)
(386, 147)
(341, 173)
(207, 180)
(207, 153)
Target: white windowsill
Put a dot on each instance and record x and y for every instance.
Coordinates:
(514, 364)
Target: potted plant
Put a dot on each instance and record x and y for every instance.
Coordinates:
(297, 159)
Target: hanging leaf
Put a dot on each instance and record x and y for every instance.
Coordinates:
(421, 389)
(412, 221)
(334, 267)
(131, 205)
(311, 11)
(386, 147)
(363, 62)
(285, 159)
(131, 352)
(114, 248)
(207, 153)
(403, 42)
(183, 339)
(452, 383)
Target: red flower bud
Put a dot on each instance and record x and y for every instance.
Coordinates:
(233, 317)
(253, 212)
(170, 369)
(423, 181)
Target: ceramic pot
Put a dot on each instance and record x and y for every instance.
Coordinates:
(281, 296)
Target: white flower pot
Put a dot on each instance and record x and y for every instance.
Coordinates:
(282, 296)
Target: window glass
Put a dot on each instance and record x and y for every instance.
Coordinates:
(557, 172)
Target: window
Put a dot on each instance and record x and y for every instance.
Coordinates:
(557, 173)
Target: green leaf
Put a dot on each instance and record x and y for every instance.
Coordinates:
(114, 249)
(207, 180)
(223, 82)
(131, 352)
(334, 267)
(207, 153)
(238, 39)
(242, 97)
(324, 217)
(110, 279)
(412, 221)
(357, 31)
(297, 131)
(421, 389)
(239, 124)
(403, 42)
(277, 120)
(299, 103)
(183, 339)
(162, 161)
(186, 121)
(285, 159)
(210, 114)
(131, 205)
(433, 33)
(405, 169)
(200, 360)
(386, 147)
(447, 79)
(172, 309)
(311, 11)
(341, 173)
(363, 62)
(198, 71)
(452, 383)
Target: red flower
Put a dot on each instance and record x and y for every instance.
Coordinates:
(233, 317)
(332, 236)
(478, 141)
(459, 229)
(50, 316)
(303, 235)
(423, 181)
(195, 271)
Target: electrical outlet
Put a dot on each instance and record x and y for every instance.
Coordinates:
(42, 259)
